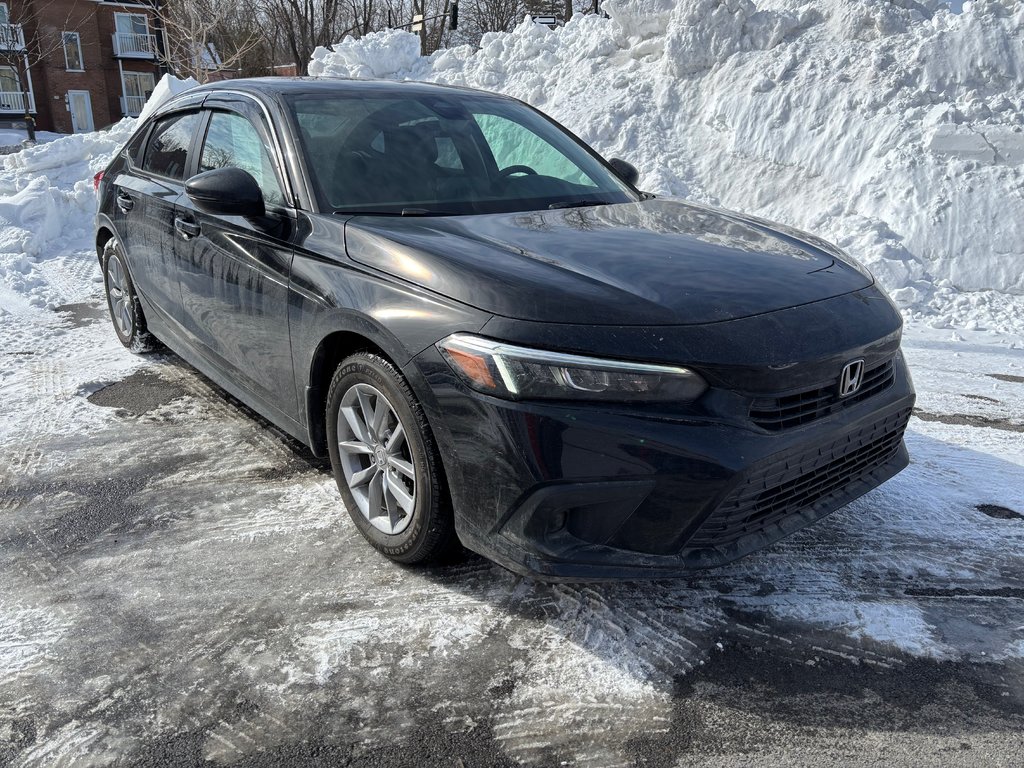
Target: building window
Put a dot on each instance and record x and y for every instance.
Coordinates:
(131, 23)
(11, 97)
(131, 35)
(73, 52)
(137, 87)
(9, 80)
(11, 37)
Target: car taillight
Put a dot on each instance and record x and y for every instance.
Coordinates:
(96, 181)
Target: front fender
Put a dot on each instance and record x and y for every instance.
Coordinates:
(336, 308)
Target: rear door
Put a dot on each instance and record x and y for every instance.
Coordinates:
(145, 194)
(234, 271)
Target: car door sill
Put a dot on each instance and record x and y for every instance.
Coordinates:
(188, 352)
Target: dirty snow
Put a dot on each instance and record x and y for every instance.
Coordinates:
(187, 573)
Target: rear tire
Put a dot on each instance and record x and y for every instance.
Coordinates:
(123, 302)
(385, 462)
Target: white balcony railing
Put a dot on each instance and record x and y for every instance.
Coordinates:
(135, 46)
(131, 106)
(14, 102)
(12, 38)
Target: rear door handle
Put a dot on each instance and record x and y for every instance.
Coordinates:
(124, 201)
(187, 229)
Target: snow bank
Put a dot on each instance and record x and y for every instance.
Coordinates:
(168, 86)
(893, 128)
(47, 203)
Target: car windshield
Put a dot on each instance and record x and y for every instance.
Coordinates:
(444, 154)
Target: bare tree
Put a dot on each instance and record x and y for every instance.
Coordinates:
(477, 17)
(303, 25)
(204, 36)
(27, 40)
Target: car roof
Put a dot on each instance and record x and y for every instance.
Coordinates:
(275, 86)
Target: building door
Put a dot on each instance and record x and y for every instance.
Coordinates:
(138, 86)
(80, 107)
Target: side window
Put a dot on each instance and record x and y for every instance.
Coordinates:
(133, 149)
(232, 141)
(167, 151)
(514, 144)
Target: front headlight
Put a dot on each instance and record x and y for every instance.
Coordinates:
(520, 373)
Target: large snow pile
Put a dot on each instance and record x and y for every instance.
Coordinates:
(47, 203)
(893, 128)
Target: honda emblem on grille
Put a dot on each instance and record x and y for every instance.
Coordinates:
(851, 378)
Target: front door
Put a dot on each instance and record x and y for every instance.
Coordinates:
(80, 106)
(233, 272)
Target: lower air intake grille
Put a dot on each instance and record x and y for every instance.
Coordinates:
(795, 482)
(778, 413)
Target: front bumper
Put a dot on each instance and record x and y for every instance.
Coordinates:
(564, 492)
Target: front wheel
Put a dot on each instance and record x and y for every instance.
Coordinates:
(385, 462)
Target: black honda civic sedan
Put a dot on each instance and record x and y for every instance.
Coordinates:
(496, 338)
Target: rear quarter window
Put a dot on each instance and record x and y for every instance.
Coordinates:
(169, 143)
(133, 149)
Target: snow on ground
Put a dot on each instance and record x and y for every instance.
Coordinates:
(174, 571)
(47, 205)
(14, 138)
(179, 577)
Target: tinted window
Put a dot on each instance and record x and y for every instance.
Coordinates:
(134, 147)
(167, 151)
(445, 154)
(233, 142)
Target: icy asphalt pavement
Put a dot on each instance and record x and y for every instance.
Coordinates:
(179, 585)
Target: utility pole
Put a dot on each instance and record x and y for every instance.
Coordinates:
(423, 27)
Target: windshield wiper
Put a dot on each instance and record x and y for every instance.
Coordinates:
(426, 212)
(403, 212)
(577, 204)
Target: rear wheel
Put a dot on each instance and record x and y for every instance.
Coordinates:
(123, 302)
(385, 462)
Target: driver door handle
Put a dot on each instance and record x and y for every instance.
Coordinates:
(187, 229)
(124, 201)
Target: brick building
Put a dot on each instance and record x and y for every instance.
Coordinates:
(99, 62)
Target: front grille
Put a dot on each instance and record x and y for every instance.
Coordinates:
(795, 483)
(778, 413)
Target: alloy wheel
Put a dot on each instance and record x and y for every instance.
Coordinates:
(376, 459)
(120, 294)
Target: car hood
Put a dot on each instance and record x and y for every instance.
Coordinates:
(655, 262)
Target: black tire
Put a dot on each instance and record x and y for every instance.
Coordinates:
(123, 302)
(429, 534)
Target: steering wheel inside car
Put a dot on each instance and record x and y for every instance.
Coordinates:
(504, 173)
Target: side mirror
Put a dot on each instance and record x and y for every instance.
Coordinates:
(226, 192)
(626, 172)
